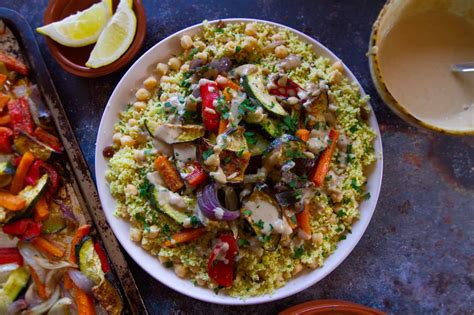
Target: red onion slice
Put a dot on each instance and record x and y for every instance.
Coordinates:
(81, 280)
(211, 207)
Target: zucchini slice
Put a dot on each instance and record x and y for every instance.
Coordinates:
(55, 221)
(161, 196)
(89, 261)
(24, 142)
(6, 173)
(16, 282)
(171, 133)
(262, 213)
(256, 90)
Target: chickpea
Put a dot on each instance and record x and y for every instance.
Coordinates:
(143, 94)
(152, 232)
(338, 66)
(166, 79)
(297, 269)
(180, 270)
(229, 48)
(185, 68)
(139, 156)
(186, 42)
(139, 106)
(116, 138)
(251, 29)
(221, 80)
(135, 234)
(200, 282)
(127, 141)
(293, 100)
(277, 37)
(163, 259)
(199, 45)
(202, 55)
(147, 244)
(281, 51)
(250, 43)
(174, 63)
(132, 122)
(317, 238)
(161, 69)
(150, 83)
(131, 190)
(164, 97)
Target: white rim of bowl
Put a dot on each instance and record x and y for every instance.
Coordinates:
(287, 290)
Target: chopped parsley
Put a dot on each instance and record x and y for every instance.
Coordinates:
(260, 224)
(238, 49)
(350, 156)
(250, 136)
(240, 153)
(293, 219)
(206, 154)
(219, 30)
(146, 190)
(366, 196)
(340, 213)
(342, 237)
(168, 264)
(243, 242)
(354, 128)
(247, 213)
(166, 229)
(192, 53)
(292, 183)
(290, 123)
(354, 185)
(299, 251)
(194, 220)
(147, 151)
(247, 105)
(267, 238)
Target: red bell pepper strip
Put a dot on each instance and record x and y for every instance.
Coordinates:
(290, 89)
(48, 139)
(102, 256)
(6, 135)
(53, 179)
(24, 229)
(10, 255)
(33, 173)
(210, 117)
(197, 175)
(222, 270)
(20, 116)
(13, 64)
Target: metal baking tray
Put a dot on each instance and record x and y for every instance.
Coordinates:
(80, 176)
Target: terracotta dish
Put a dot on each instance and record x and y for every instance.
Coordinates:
(335, 307)
(73, 59)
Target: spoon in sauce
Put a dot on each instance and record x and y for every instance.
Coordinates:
(463, 67)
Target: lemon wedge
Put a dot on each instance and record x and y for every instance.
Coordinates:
(82, 28)
(116, 37)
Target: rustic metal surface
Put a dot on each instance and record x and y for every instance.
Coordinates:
(417, 254)
(81, 180)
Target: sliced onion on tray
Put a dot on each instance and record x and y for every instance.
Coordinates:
(46, 305)
(211, 207)
(81, 280)
(16, 307)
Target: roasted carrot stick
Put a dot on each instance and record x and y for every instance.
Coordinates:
(304, 219)
(84, 302)
(303, 134)
(48, 248)
(11, 202)
(325, 159)
(222, 126)
(21, 171)
(3, 100)
(3, 79)
(169, 173)
(39, 284)
(5, 120)
(185, 236)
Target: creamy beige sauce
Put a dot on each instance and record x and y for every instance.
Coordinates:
(415, 60)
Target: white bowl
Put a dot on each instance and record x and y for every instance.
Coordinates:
(124, 93)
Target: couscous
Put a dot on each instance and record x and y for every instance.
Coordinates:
(241, 163)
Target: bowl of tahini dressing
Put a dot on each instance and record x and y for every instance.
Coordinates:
(413, 46)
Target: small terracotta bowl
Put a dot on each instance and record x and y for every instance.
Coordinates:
(73, 59)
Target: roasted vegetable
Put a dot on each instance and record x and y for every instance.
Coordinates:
(108, 297)
(211, 207)
(256, 90)
(170, 133)
(89, 261)
(185, 236)
(6, 173)
(221, 263)
(322, 167)
(263, 214)
(209, 94)
(16, 282)
(168, 173)
(161, 197)
(24, 143)
(31, 195)
(256, 143)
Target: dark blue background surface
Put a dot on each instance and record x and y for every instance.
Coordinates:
(417, 254)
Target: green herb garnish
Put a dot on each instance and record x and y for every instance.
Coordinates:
(206, 154)
(299, 251)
